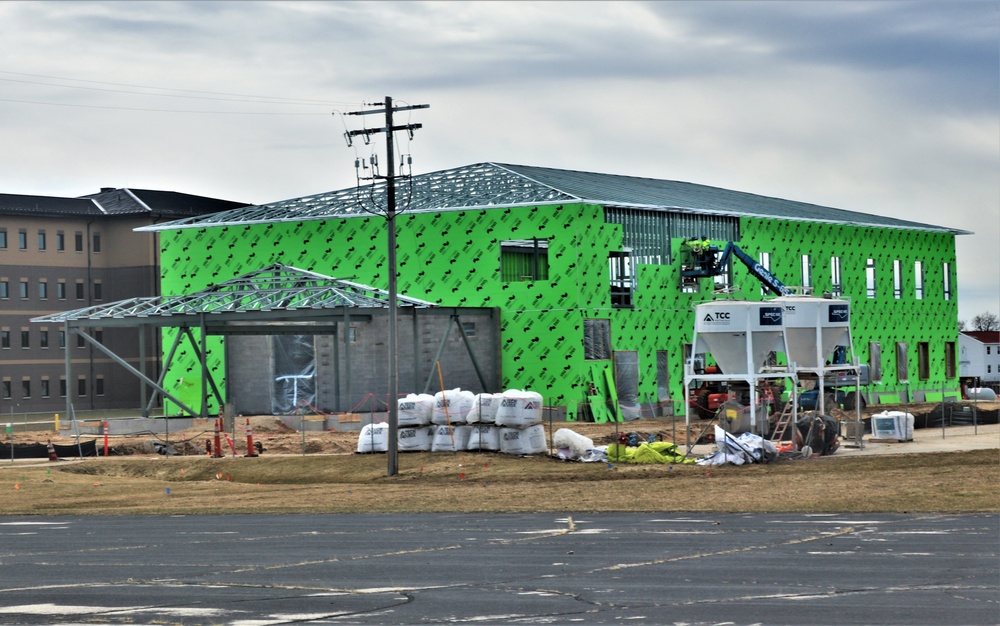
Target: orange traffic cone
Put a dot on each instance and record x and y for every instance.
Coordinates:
(251, 452)
(52, 452)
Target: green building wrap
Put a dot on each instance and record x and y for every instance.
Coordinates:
(453, 258)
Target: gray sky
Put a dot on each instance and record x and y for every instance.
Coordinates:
(888, 107)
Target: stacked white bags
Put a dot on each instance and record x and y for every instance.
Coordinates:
(457, 420)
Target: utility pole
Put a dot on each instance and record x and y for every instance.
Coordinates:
(390, 218)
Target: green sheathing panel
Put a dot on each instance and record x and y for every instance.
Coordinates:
(885, 318)
(453, 258)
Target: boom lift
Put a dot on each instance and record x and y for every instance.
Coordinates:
(705, 265)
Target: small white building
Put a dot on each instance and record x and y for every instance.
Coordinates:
(979, 355)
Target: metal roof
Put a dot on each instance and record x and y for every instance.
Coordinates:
(116, 203)
(492, 185)
(277, 288)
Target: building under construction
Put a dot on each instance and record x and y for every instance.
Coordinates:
(573, 283)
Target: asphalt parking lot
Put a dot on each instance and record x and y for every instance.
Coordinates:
(242, 570)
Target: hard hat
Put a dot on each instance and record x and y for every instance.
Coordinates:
(704, 236)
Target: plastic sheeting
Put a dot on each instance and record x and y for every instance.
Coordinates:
(293, 360)
(627, 384)
(747, 448)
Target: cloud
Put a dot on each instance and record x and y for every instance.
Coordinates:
(882, 107)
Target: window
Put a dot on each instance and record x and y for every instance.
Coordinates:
(99, 386)
(4, 339)
(61, 290)
(524, 260)
(97, 242)
(3, 238)
(81, 387)
(26, 388)
(43, 290)
(923, 360)
(870, 278)
(6, 390)
(25, 338)
(836, 284)
(79, 291)
(45, 387)
(597, 339)
(875, 361)
(806, 271)
(80, 341)
(946, 276)
(22, 239)
(897, 279)
(62, 340)
(918, 280)
(78, 241)
(949, 359)
(62, 387)
(98, 291)
(41, 240)
(43, 338)
(902, 363)
(622, 280)
(765, 262)
(988, 350)
(99, 335)
(22, 288)
(60, 241)
(469, 329)
(4, 289)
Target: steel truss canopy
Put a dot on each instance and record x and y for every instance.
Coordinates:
(278, 299)
(497, 185)
(275, 289)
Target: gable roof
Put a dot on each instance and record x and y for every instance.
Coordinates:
(983, 336)
(492, 185)
(116, 202)
(47, 206)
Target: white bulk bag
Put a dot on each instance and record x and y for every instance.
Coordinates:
(444, 438)
(451, 406)
(484, 408)
(530, 440)
(519, 408)
(374, 438)
(484, 437)
(414, 439)
(415, 410)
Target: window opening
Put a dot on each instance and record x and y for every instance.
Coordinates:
(875, 361)
(870, 283)
(923, 360)
(622, 279)
(897, 279)
(524, 260)
(597, 339)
